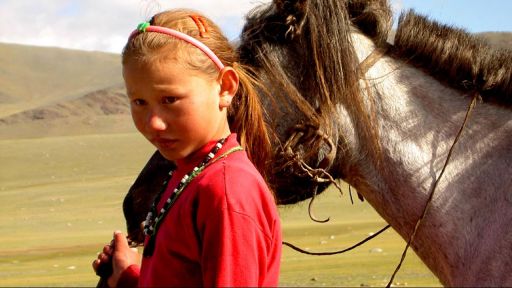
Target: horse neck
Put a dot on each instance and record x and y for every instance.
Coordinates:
(418, 119)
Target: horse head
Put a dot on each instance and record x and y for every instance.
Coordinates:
(302, 51)
(304, 143)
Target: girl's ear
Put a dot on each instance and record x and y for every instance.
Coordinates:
(228, 79)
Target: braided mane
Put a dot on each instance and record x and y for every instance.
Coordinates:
(451, 55)
(455, 57)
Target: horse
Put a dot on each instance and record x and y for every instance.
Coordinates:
(424, 122)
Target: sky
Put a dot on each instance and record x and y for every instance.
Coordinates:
(104, 25)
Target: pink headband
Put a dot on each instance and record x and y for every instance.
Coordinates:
(146, 27)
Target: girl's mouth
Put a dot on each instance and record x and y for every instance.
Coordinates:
(164, 142)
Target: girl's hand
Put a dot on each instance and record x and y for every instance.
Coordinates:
(120, 255)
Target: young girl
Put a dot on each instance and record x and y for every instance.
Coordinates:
(215, 223)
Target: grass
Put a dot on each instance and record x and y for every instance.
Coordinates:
(61, 198)
(368, 265)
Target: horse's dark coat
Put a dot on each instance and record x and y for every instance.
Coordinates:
(137, 202)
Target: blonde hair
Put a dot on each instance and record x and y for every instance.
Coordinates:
(245, 115)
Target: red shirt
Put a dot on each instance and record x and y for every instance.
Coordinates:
(223, 230)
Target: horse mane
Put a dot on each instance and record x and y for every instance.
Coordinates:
(285, 37)
(455, 57)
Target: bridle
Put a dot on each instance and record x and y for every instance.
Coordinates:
(309, 133)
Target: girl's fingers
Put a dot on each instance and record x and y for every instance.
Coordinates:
(120, 240)
(108, 249)
(96, 264)
(105, 258)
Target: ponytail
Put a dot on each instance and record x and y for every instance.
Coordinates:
(247, 120)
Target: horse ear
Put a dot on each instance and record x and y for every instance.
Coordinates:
(372, 17)
(294, 14)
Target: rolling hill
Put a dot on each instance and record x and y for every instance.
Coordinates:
(103, 111)
(58, 92)
(31, 77)
(499, 39)
(55, 92)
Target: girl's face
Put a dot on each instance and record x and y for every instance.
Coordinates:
(177, 109)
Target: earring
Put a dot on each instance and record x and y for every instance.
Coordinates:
(227, 102)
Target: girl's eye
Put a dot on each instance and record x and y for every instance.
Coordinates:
(169, 100)
(138, 102)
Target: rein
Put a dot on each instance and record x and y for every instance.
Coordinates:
(431, 196)
(336, 252)
(373, 58)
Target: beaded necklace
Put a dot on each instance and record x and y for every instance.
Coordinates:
(153, 219)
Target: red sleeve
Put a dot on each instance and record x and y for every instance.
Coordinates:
(130, 277)
(230, 252)
(234, 244)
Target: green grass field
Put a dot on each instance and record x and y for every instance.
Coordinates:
(60, 200)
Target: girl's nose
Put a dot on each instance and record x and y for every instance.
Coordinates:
(157, 123)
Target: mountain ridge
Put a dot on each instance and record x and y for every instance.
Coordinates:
(32, 76)
(108, 101)
(44, 88)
